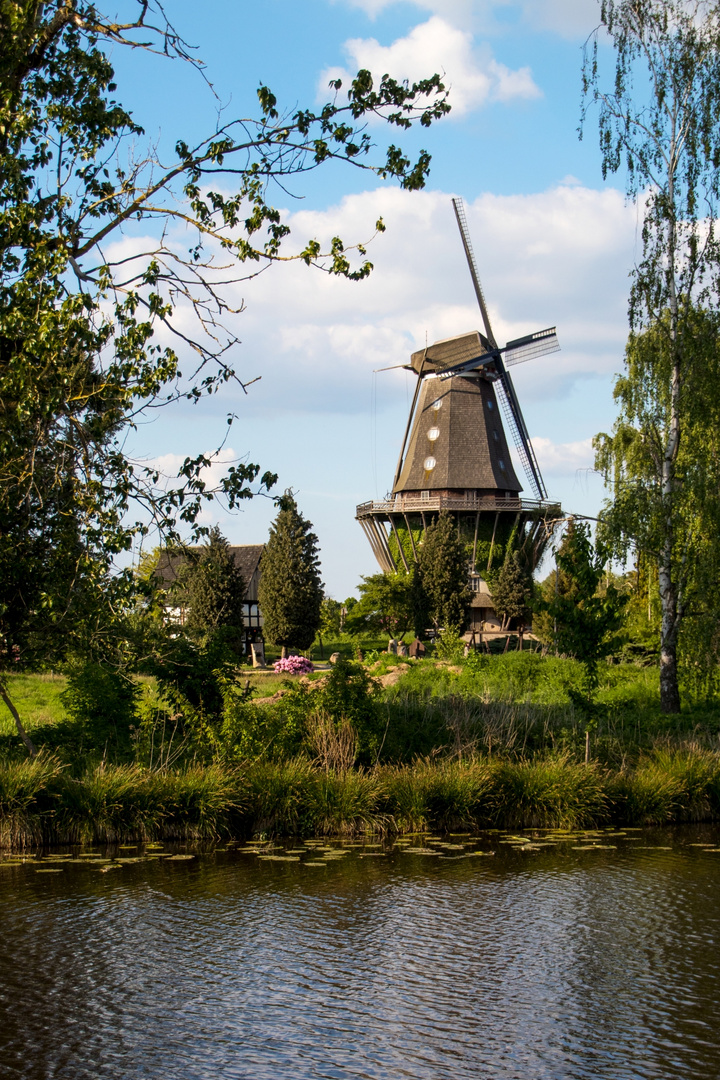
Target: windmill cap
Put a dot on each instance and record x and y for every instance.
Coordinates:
(450, 351)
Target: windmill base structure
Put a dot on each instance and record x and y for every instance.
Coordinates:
(455, 458)
(489, 526)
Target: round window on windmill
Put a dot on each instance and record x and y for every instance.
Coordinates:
(433, 434)
(429, 464)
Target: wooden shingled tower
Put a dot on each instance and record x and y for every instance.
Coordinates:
(457, 443)
(455, 456)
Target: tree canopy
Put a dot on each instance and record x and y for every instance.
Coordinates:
(385, 605)
(92, 342)
(79, 355)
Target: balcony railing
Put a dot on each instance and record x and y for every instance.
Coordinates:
(404, 504)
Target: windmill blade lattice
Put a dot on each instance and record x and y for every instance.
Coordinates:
(459, 208)
(516, 422)
(525, 348)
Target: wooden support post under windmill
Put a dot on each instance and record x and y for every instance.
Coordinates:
(399, 544)
(492, 542)
(412, 538)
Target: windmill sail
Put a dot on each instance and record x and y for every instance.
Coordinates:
(516, 352)
(530, 346)
(459, 208)
(516, 423)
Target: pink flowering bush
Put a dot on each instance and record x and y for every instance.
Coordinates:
(293, 665)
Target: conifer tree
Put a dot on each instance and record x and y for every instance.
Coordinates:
(214, 591)
(443, 573)
(558, 583)
(586, 621)
(290, 591)
(512, 591)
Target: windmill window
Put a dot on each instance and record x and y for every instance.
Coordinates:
(437, 404)
(433, 433)
(425, 496)
(489, 403)
(429, 464)
(501, 463)
(496, 437)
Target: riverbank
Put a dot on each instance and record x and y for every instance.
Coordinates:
(43, 803)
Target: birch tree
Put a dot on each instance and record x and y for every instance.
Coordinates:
(658, 123)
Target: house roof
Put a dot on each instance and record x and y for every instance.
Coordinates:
(247, 559)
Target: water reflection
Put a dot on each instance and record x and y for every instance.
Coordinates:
(554, 963)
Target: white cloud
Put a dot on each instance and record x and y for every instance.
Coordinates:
(331, 428)
(567, 18)
(563, 458)
(555, 257)
(167, 465)
(474, 77)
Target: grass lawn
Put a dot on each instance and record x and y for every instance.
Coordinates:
(37, 699)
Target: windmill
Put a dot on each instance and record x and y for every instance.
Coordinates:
(454, 454)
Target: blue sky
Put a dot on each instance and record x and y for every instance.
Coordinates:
(554, 244)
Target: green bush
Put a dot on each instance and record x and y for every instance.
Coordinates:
(347, 693)
(348, 802)
(101, 702)
(281, 797)
(250, 732)
(126, 802)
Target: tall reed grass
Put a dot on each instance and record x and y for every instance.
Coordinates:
(41, 802)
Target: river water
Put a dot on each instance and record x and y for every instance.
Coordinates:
(570, 957)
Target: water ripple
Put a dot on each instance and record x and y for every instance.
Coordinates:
(556, 965)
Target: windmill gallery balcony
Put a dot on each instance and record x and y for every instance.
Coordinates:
(433, 503)
(383, 520)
